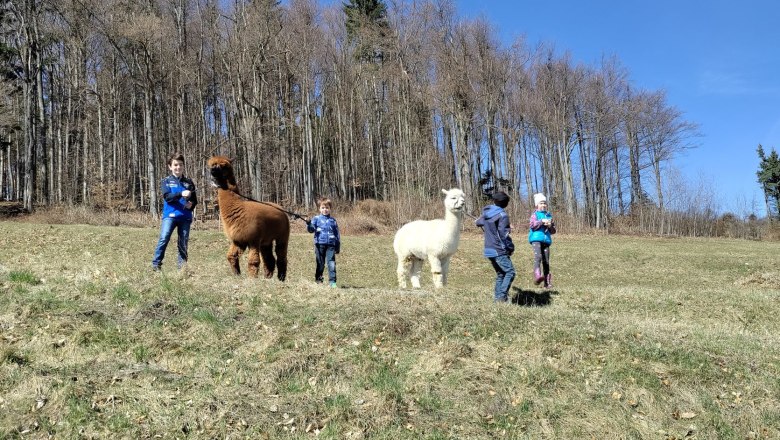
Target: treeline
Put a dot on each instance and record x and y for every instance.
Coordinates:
(360, 100)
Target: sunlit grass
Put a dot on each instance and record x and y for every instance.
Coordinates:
(23, 277)
(641, 338)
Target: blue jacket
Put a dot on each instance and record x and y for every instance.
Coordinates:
(538, 231)
(173, 206)
(326, 230)
(495, 223)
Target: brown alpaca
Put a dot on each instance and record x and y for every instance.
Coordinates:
(250, 224)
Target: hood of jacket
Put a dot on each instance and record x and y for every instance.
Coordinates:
(491, 211)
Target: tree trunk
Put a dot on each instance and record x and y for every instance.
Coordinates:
(151, 178)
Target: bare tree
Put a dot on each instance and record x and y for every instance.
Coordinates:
(361, 99)
(668, 134)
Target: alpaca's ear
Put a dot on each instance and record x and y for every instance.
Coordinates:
(444, 191)
(231, 159)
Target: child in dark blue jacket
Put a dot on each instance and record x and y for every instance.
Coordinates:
(179, 200)
(327, 241)
(498, 244)
(541, 227)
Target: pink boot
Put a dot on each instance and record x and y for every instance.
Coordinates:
(538, 277)
(548, 281)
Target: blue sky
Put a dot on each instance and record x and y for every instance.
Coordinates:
(719, 62)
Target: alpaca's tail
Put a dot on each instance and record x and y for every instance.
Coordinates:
(399, 242)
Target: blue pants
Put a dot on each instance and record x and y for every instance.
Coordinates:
(183, 228)
(325, 255)
(505, 274)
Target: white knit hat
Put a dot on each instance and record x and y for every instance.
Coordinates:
(539, 198)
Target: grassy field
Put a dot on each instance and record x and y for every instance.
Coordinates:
(641, 338)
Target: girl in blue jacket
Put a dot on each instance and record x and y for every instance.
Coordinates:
(542, 227)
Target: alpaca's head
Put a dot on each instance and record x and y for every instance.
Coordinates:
(454, 200)
(221, 172)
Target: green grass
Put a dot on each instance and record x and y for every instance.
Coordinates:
(641, 338)
(23, 277)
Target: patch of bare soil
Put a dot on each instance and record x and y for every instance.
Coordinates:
(770, 280)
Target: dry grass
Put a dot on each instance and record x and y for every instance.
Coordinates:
(79, 214)
(643, 338)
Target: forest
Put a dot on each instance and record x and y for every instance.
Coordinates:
(361, 99)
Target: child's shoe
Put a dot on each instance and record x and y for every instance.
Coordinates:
(548, 281)
(333, 285)
(538, 277)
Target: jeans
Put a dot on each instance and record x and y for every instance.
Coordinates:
(505, 274)
(325, 254)
(183, 228)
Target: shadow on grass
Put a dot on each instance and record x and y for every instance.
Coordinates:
(530, 298)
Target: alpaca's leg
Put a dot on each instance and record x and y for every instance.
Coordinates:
(416, 269)
(253, 262)
(281, 259)
(269, 262)
(436, 271)
(404, 267)
(233, 257)
(445, 269)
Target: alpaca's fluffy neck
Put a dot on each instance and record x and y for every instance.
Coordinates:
(230, 183)
(453, 220)
(449, 234)
(229, 191)
(228, 197)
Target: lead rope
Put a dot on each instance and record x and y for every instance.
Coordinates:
(294, 214)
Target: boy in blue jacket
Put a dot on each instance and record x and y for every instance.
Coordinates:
(327, 241)
(179, 200)
(498, 244)
(541, 227)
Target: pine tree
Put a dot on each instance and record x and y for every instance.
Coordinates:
(367, 27)
(769, 178)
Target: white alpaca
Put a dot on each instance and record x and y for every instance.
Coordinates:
(434, 240)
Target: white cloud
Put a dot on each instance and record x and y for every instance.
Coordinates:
(723, 83)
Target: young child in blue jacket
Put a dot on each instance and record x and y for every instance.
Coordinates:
(327, 241)
(499, 248)
(541, 227)
(179, 200)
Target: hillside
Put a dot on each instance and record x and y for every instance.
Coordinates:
(641, 338)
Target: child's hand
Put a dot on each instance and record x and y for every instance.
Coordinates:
(186, 193)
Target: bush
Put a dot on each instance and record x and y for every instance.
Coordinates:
(361, 224)
(771, 231)
(380, 212)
